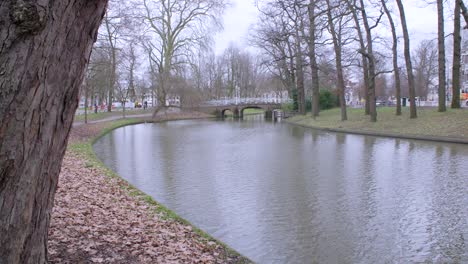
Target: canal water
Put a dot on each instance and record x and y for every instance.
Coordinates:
(279, 193)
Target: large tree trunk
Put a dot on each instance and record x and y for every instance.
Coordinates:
(441, 45)
(396, 69)
(45, 48)
(409, 65)
(456, 58)
(313, 60)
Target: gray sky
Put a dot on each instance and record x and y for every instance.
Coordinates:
(237, 21)
(421, 19)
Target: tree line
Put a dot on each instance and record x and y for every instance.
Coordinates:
(158, 49)
(298, 37)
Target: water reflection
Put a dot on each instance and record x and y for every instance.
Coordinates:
(280, 193)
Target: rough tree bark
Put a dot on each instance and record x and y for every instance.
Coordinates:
(44, 48)
(409, 65)
(396, 69)
(441, 47)
(456, 57)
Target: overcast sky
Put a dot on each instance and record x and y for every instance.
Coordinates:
(421, 19)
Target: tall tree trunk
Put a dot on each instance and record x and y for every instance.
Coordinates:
(441, 45)
(396, 69)
(409, 66)
(365, 64)
(456, 57)
(338, 61)
(371, 59)
(313, 60)
(45, 48)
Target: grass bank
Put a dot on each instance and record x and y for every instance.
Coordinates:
(82, 146)
(450, 126)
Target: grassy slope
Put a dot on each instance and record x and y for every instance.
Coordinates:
(452, 124)
(85, 150)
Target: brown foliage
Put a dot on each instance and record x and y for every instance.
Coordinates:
(96, 220)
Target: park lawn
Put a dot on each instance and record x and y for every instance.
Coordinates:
(102, 115)
(450, 124)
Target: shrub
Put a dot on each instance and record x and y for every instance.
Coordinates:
(327, 100)
(288, 107)
(295, 100)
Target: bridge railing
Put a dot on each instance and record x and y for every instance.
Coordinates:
(243, 101)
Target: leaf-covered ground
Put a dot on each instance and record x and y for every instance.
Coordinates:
(96, 219)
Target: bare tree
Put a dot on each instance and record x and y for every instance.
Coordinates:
(110, 33)
(295, 15)
(396, 68)
(44, 51)
(425, 67)
(365, 64)
(409, 66)
(336, 21)
(126, 89)
(175, 26)
(457, 54)
(313, 57)
(441, 48)
(370, 56)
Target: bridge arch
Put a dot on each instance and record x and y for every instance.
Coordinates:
(265, 109)
(235, 112)
(223, 111)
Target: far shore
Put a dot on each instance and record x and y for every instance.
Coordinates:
(450, 126)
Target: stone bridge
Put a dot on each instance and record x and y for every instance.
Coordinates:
(238, 105)
(238, 109)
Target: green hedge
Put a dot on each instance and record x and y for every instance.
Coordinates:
(327, 100)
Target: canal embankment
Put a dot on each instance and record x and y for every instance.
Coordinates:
(450, 126)
(100, 218)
